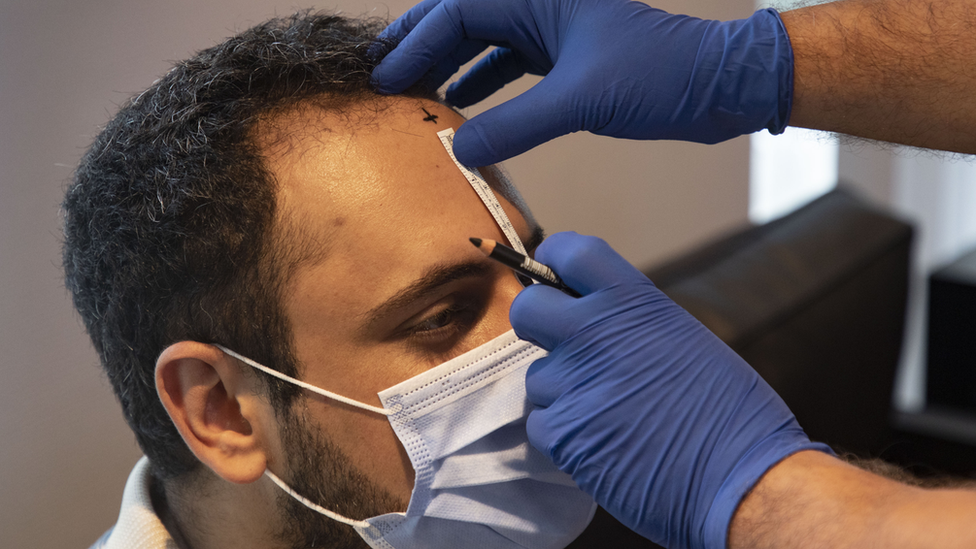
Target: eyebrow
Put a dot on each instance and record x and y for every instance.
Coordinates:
(439, 276)
(435, 278)
(536, 238)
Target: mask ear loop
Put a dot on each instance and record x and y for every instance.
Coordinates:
(314, 506)
(303, 385)
(359, 524)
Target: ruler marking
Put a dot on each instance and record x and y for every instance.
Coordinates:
(480, 186)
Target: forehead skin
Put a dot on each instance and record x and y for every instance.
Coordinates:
(379, 204)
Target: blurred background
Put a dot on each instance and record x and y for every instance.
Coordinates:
(66, 67)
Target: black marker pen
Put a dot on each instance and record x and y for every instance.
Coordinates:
(522, 264)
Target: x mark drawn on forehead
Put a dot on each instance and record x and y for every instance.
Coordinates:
(437, 277)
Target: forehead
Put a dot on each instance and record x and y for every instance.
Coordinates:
(375, 200)
(344, 173)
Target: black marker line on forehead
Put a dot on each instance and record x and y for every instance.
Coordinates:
(430, 117)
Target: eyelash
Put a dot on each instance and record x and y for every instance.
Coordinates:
(443, 329)
(446, 314)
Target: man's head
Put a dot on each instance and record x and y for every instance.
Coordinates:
(262, 197)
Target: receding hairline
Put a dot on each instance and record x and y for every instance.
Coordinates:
(273, 135)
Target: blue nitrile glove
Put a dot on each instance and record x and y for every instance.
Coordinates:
(653, 415)
(613, 67)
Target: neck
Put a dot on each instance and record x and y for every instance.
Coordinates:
(206, 512)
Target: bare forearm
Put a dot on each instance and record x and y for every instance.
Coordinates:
(902, 71)
(812, 500)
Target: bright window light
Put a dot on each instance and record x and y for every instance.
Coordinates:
(788, 170)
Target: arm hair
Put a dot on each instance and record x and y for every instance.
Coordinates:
(901, 71)
(900, 474)
(813, 500)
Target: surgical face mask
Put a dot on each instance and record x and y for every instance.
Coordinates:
(478, 483)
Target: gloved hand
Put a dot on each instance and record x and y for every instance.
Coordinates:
(614, 67)
(654, 416)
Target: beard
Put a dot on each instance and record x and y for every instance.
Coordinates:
(321, 473)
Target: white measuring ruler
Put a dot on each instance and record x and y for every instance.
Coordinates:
(487, 196)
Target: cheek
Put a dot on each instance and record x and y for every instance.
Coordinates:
(382, 458)
(368, 441)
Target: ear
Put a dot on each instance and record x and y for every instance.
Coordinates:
(215, 407)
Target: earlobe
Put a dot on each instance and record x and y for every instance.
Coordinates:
(215, 409)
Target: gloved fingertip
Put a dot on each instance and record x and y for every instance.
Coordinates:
(455, 98)
(380, 80)
(587, 263)
(539, 314)
(376, 51)
(526, 335)
(516, 125)
(393, 74)
(472, 148)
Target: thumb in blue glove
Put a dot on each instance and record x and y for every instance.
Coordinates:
(656, 418)
(613, 67)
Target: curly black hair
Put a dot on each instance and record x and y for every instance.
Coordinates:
(169, 223)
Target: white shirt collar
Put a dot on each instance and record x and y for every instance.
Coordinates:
(138, 526)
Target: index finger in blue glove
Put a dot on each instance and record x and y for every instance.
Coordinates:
(542, 113)
(449, 65)
(538, 314)
(402, 26)
(586, 263)
(435, 36)
(546, 316)
(498, 68)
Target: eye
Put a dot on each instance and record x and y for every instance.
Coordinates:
(445, 323)
(453, 317)
(440, 320)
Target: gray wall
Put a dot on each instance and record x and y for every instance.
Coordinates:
(66, 65)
